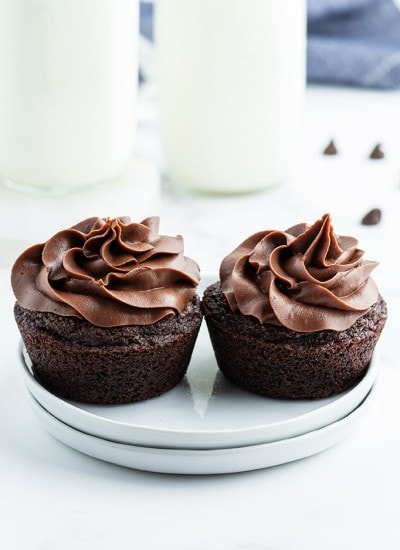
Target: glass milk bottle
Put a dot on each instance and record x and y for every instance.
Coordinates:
(68, 80)
(231, 76)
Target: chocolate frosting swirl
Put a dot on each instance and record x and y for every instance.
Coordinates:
(111, 272)
(305, 278)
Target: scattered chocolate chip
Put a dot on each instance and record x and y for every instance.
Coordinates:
(373, 217)
(377, 152)
(330, 149)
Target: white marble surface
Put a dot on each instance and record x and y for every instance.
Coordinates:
(53, 498)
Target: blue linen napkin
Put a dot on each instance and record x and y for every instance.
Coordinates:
(353, 42)
(146, 19)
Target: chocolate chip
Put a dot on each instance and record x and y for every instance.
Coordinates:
(377, 152)
(373, 217)
(330, 149)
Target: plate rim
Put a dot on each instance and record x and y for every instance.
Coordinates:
(333, 434)
(133, 433)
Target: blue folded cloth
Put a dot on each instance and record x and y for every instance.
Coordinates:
(146, 19)
(352, 42)
(355, 42)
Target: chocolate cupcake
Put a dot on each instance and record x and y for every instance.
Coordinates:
(108, 310)
(296, 314)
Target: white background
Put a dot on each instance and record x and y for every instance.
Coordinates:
(53, 498)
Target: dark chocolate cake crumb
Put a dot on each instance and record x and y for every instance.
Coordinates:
(377, 153)
(277, 362)
(82, 362)
(331, 149)
(373, 217)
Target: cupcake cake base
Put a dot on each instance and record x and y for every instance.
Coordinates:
(82, 362)
(277, 362)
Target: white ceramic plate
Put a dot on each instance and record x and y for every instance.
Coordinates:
(204, 411)
(189, 461)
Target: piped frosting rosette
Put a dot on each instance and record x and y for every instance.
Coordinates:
(305, 278)
(111, 272)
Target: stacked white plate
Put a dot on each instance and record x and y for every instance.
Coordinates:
(205, 425)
